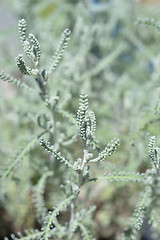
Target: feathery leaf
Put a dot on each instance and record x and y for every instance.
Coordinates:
(52, 216)
(121, 177)
(108, 151)
(85, 233)
(41, 210)
(14, 163)
(8, 78)
(60, 50)
(21, 65)
(48, 147)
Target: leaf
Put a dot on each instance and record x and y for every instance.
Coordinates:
(52, 217)
(16, 161)
(50, 148)
(29, 235)
(135, 223)
(10, 79)
(149, 22)
(35, 48)
(154, 153)
(81, 113)
(108, 151)
(121, 177)
(41, 210)
(85, 233)
(22, 30)
(22, 66)
(60, 50)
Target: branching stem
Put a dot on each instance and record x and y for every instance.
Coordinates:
(46, 98)
(80, 182)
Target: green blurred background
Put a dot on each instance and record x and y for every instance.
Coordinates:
(117, 63)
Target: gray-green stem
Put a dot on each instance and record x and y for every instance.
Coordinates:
(51, 109)
(80, 182)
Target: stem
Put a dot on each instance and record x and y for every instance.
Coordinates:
(154, 187)
(80, 181)
(52, 135)
(52, 127)
(73, 211)
(45, 94)
(85, 153)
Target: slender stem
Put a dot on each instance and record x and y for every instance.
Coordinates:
(80, 181)
(73, 212)
(154, 187)
(85, 153)
(44, 91)
(52, 126)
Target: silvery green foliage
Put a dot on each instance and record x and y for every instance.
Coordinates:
(152, 23)
(157, 106)
(98, 67)
(22, 30)
(86, 121)
(51, 217)
(30, 45)
(80, 167)
(86, 235)
(41, 210)
(149, 198)
(86, 125)
(108, 151)
(32, 50)
(151, 150)
(136, 221)
(29, 235)
(149, 22)
(10, 79)
(14, 163)
(46, 145)
(21, 65)
(81, 122)
(121, 176)
(60, 50)
(154, 153)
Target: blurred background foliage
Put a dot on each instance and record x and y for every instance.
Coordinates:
(116, 62)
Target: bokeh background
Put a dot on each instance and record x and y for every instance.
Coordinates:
(117, 63)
